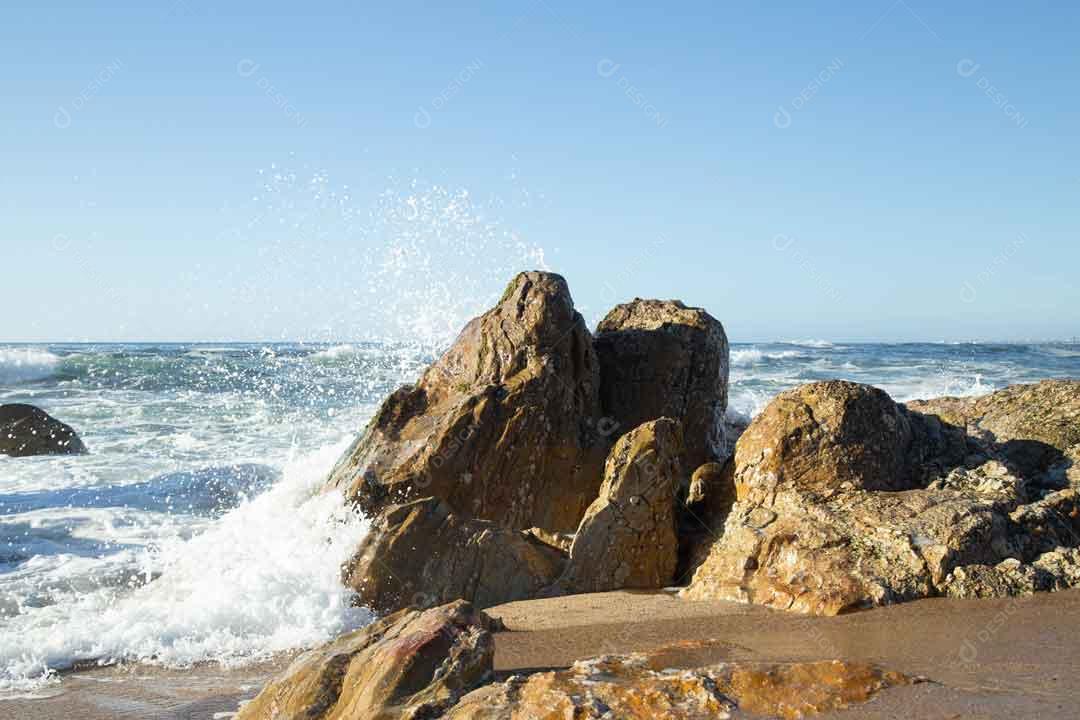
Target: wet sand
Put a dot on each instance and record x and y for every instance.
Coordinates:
(138, 692)
(1010, 658)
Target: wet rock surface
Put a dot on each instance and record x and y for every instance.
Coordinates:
(502, 427)
(26, 431)
(421, 553)
(412, 664)
(508, 427)
(632, 687)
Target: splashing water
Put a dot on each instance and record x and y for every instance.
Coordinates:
(196, 530)
(263, 579)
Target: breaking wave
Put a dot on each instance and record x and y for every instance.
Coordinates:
(19, 365)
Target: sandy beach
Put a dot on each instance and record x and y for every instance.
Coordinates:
(982, 658)
(978, 659)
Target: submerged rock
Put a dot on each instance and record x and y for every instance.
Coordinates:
(26, 430)
(659, 358)
(410, 665)
(423, 554)
(631, 687)
(627, 538)
(503, 427)
(847, 500)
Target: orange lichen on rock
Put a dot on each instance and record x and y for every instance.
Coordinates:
(801, 689)
(627, 687)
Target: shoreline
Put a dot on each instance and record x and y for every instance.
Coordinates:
(995, 658)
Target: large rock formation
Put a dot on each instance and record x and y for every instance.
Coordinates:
(633, 687)
(508, 427)
(847, 500)
(502, 427)
(662, 359)
(407, 666)
(422, 554)
(627, 538)
(26, 430)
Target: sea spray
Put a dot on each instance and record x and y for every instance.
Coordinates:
(263, 579)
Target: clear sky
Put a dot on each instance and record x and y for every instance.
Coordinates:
(194, 170)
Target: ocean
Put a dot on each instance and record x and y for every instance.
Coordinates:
(194, 530)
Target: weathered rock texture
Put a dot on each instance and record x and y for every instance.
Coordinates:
(659, 358)
(422, 554)
(409, 665)
(702, 517)
(1032, 427)
(848, 500)
(419, 665)
(628, 536)
(629, 687)
(502, 427)
(26, 430)
(827, 437)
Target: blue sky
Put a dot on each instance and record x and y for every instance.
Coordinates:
(854, 171)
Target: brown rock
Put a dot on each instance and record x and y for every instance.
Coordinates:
(1031, 425)
(712, 493)
(826, 437)
(26, 430)
(502, 427)
(662, 359)
(838, 510)
(630, 687)
(1048, 523)
(422, 554)
(852, 550)
(559, 541)
(409, 665)
(627, 538)
(701, 519)
(1057, 569)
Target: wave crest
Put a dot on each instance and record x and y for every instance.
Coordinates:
(18, 365)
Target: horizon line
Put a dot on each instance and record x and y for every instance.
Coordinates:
(809, 342)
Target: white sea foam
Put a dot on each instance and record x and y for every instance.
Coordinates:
(1060, 351)
(811, 343)
(335, 353)
(747, 356)
(26, 364)
(742, 357)
(262, 579)
(954, 384)
(745, 403)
